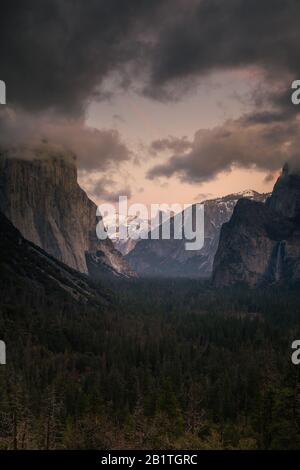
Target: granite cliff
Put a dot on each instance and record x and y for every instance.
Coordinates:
(261, 242)
(43, 200)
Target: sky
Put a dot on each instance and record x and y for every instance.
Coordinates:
(143, 121)
(162, 101)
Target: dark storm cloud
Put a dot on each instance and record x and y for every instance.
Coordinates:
(263, 117)
(170, 143)
(218, 34)
(104, 188)
(55, 53)
(237, 143)
(95, 149)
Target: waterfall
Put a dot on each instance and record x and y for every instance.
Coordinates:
(279, 261)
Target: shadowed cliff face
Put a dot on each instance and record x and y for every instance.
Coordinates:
(26, 272)
(44, 201)
(285, 199)
(261, 242)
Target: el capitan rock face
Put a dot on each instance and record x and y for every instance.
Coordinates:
(169, 257)
(261, 242)
(43, 200)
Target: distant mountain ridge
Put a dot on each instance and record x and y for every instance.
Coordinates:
(170, 258)
(261, 242)
(127, 245)
(42, 198)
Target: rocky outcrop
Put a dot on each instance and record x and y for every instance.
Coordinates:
(261, 242)
(125, 246)
(43, 200)
(285, 199)
(28, 274)
(170, 258)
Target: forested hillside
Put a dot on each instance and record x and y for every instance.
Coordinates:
(171, 364)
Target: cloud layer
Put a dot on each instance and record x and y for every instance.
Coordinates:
(94, 149)
(238, 143)
(57, 55)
